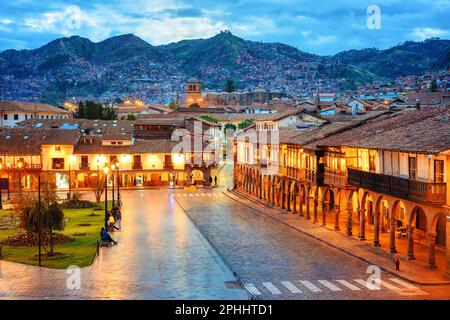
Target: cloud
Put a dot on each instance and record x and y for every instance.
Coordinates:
(421, 34)
(327, 28)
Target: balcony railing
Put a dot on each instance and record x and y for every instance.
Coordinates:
(137, 166)
(336, 178)
(423, 192)
(168, 165)
(84, 166)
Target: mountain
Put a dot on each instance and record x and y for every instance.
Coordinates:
(409, 58)
(126, 64)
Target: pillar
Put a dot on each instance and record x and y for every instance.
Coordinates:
(447, 246)
(294, 203)
(362, 224)
(432, 250)
(410, 255)
(283, 198)
(289, 201)
(307, 201)
(316, 204)
(349, 223)
(300, 199)
(376, 232)
(325, 207)
(392, 236)
(336, 217)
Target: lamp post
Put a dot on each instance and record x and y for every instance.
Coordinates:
(19, 166)
(39, 220)
(106, 170)
(72, 160)
(113, 167)
(1, 200)
(8, 167)
(118, 184)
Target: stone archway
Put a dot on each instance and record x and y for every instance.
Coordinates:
(327, 205)
(352, 209)
(438, 236)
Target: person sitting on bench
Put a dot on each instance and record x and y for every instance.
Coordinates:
(104, 235)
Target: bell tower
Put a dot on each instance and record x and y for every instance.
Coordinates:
(194, 93)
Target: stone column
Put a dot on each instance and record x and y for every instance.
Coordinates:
(289, 201)
(447, 246)
(316, 203)
(362, 224)
(300, 200)
(432, 250)
(325, 207)
(410, 255)
(294, 203)
(392, 236)
(376, 232)
(349, 223)
(337, 209)
(307, 201)
(283, 198)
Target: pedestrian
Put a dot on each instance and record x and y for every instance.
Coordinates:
(215, 180)
(119, 219)
(210, 180)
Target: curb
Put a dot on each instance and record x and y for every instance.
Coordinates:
(334, 246)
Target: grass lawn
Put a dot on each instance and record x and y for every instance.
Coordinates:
(79, 252)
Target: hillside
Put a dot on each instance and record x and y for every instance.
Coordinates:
(126, 64)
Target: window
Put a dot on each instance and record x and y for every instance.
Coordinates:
(5, 117)
(438, 170)
(372, 157)
(412, 161)
(58, 163)
(58, 148)
(84, 162)
(26, 117)
(119, 142)
(16, 117)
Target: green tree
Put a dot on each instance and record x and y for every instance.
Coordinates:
(229, 86)
(51, 213)
(131, 117)
(229, 126)
(244, 124)
(209, 118)
(434, 87)
(174, 104)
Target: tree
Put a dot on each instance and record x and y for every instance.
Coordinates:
(209, 118)
(229, 86)
(95, 111)
(99, 188)
(229, 126)
(434, 87)
(244, 124)
(195, 105)
(174, 104)
(131, 117)
(51, 213)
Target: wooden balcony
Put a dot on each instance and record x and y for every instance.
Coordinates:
(430, 193)
(32, 167)
(168, 165)
(84, 166)
(338, 178)
(137, 166)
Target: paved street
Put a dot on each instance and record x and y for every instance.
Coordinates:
(278, 262)
(161, 255)
(181, 244)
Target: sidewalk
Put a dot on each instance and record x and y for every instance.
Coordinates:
(409, 270)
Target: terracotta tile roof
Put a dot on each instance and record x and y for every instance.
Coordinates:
(423, 131)
(30, 107)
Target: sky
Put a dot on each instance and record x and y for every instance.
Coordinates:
(323, 27)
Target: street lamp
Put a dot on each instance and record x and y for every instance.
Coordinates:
(20, 165)
(113, 167)
(106, 171)
(72, 160)
(118, 184)
(8, 167)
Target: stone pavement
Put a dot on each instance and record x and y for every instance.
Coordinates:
(409, 270)
(275, 261)
(160, 255)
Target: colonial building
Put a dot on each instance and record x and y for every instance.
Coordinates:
(149, 153)
(13, 112)
(384, 180)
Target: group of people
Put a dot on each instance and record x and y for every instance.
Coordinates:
(211, 180)
(112, 222)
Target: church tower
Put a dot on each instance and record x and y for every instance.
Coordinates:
(194, 93)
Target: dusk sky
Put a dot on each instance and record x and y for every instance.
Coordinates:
(322, 27)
